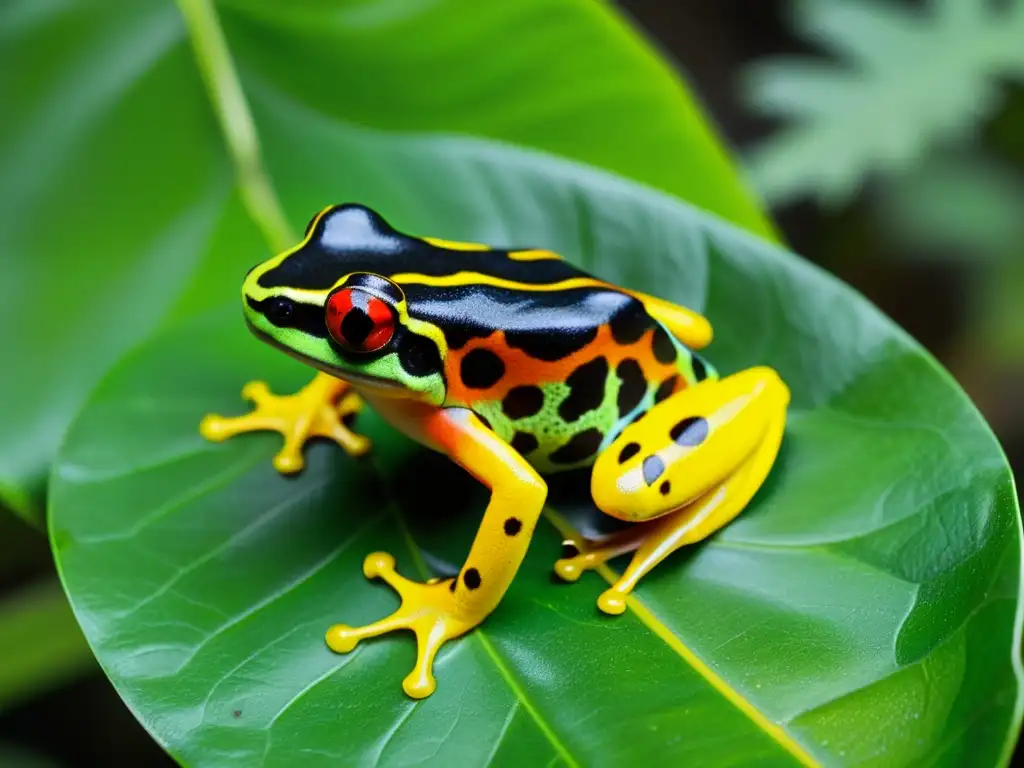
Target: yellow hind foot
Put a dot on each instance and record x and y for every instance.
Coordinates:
(584, 555)
(320, 409)
(428, 610)
(591, 555)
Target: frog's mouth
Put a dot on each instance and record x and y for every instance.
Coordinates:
(353, 377)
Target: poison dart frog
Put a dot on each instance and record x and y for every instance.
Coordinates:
(516, 365)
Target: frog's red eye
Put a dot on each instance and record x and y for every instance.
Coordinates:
(359, 321)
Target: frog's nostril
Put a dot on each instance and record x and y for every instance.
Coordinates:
(279, 310)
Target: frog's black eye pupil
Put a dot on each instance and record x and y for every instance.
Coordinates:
(279, 310)
(356, 326)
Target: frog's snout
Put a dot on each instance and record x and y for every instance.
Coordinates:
(250, 285)
(249, 303)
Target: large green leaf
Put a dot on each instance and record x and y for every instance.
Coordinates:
(864, 610)
(117, 204)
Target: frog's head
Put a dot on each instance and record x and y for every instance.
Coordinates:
(330, 303)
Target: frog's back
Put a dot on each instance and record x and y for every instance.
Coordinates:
(557, 363)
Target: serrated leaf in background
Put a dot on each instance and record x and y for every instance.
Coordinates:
(963, 206)
(901, 81)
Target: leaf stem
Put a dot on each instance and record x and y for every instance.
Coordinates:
(218, 70)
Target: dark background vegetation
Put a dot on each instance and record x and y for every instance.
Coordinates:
(935, 291)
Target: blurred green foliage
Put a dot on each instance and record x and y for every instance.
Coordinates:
(16, 757)
(956, 203)
(900, 106)
(903, 80)
(40, 643)
(967, 208)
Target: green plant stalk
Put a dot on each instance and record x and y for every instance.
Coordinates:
(218, 71)
(40, 642)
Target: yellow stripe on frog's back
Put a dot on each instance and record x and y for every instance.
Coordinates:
(530, 254)
(479, 278)
(454, 245)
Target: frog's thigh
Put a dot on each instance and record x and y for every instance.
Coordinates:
(697, 459)
(687, 444)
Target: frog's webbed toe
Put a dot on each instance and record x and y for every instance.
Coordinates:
(427, 610)
(320, 409)
(584, 555)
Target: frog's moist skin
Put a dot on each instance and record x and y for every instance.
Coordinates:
(516, 365)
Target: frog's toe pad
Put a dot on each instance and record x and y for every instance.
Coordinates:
(288, 462)
(569, 570)
(612, 602)
(341, 638)
(379, 565)
(419, 683)
(256, 392)
(578, 558)
(213, 428)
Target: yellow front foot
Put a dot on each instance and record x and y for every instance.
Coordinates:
(428, 610)
(320, 409)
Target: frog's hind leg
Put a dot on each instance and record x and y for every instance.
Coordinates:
(320, 409)
(691, 464)
(691, 524)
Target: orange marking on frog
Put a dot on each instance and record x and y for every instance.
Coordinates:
(522, 369)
